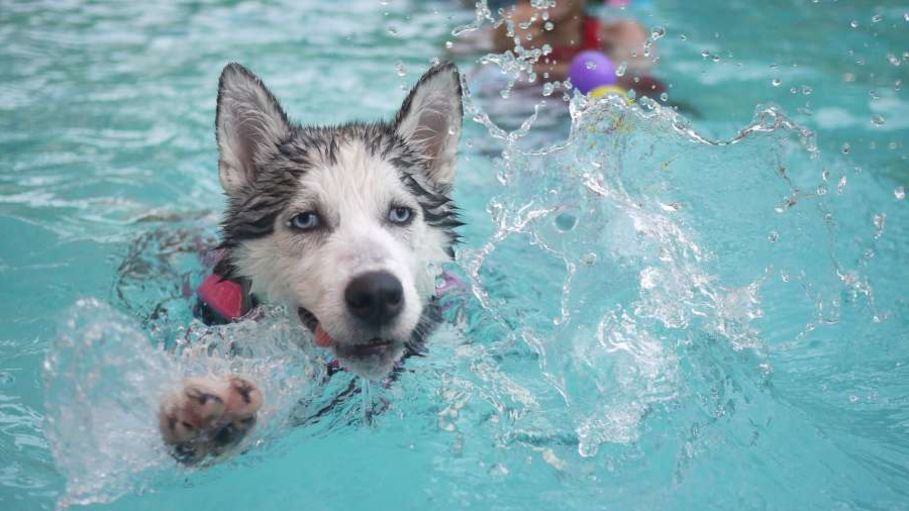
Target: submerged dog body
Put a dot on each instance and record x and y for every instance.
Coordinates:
(347, 225)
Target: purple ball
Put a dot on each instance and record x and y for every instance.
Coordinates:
(591, 69)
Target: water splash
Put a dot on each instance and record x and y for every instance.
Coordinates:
(104, 378)
(645, 245)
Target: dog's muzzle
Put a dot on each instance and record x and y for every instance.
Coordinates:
(374, 301)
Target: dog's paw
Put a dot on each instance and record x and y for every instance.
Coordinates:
(208, 416)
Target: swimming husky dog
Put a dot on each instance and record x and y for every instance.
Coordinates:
(343, 224)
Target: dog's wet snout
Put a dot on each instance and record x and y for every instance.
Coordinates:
(376, 298)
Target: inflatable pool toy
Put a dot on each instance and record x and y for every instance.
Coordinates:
(591, 69)
(593, 74)
(605, 90)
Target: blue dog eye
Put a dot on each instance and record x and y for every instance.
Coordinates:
(305, 221)
(400, 215)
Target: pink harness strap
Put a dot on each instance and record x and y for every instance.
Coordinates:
(223, 296)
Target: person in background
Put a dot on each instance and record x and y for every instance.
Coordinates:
(568, 31)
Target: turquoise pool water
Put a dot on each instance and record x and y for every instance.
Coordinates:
(696, 311)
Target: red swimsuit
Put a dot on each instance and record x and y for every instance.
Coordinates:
(590, 40)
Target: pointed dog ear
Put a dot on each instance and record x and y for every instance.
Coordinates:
(430, 119)
(249, 125)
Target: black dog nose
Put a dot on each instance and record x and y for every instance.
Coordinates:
(375, 297)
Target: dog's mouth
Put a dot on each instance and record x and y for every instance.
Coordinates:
(374, 348)
(308, 319)
(311, 322)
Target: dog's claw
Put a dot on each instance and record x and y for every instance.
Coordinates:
(208, 416)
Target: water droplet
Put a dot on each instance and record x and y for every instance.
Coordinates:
(841, 185)
(846, 148)
(853, 24)
(449, 44)
(876, 18)
(853, 398)
(401, 69)
(821, 190)
(878, 221)
(590, 64)
(874, 95)
(657, 33)
(683, 37)
(773, 236)
(498, 470)
(899, 192)
(392, 31)
(565, 222)
(664, 97)
(548, 26)
(893, 59)
(548, 88)
(877, 119)
(620, 71)
(806, 90)
(906, 16)
(589, 258)
(776, 82)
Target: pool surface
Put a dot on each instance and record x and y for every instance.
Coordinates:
(702, 309)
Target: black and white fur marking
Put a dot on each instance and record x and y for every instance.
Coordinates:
(350, 176)
(333, 222)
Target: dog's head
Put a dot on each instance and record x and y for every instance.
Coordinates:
(346, 224)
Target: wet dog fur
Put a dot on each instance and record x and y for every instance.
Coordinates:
(347, 225)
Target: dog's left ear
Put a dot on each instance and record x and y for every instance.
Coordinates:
(430, 118)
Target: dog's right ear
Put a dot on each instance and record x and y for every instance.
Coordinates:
(249, 125)
(430, 118)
